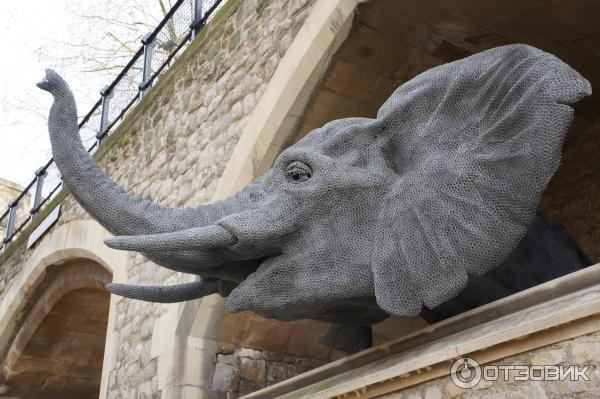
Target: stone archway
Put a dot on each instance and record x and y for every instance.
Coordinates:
(59, 348)
(76, 240)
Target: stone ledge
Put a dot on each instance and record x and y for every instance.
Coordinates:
(560, 309)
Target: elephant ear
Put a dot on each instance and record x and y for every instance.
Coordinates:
(471, 146)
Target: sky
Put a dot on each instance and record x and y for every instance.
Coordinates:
(74, 38)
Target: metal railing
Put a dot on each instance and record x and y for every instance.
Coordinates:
(159, 47)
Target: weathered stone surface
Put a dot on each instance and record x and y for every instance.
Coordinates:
(585, 352)
(175, 152)
(249, 353)
(549, 357)
(451, 390)
(145, 391)
(225, 378)
(146, 328)
(253, 370)
(245, 370)
(433, 393)
(228, 358)
(180, 145)
(579, 351)
(278, 371)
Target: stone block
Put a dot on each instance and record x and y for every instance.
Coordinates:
(145, 391)
(433, 393)
(585, 352)
(253, 370)
(225, 378)
(279, 371)
(249, 353)
(146, 328)
(549, 357)
(451, 390)
(227, 359)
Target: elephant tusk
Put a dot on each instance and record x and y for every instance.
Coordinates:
(213, 236)
(168, 293)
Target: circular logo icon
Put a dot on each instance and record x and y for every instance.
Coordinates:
(465, 373)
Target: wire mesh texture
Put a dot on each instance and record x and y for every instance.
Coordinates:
(159, 48)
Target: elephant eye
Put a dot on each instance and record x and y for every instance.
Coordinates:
(298, 172)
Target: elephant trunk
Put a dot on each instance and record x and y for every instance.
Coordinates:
(117, 210)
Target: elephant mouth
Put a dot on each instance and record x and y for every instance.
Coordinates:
(229, 261)
(210, 283)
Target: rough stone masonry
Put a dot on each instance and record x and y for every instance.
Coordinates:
(173, 147)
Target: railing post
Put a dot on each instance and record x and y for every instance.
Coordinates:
(148, 42)
(10, 226)
(106, 96)
(40, 175)
(196, 17)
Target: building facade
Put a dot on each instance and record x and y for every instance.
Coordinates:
(9, 191)
(258, 77)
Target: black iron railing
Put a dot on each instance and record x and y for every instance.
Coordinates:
(159, 47)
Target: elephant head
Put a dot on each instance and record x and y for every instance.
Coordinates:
(362, 218)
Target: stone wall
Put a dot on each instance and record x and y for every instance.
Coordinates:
(173, 147)
(583, 350)
(175, 152)
(9, 269)
(242, 371)
(8, 192)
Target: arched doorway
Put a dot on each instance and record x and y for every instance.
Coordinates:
(59, 349)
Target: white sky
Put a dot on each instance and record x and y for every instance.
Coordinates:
(36, 34)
